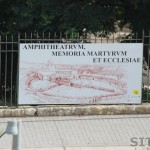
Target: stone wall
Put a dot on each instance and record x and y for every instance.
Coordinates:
(70, 110)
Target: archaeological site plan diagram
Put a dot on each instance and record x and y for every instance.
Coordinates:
(54, 75)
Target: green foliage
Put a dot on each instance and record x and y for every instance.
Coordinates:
(56, 15)
(145, 94)
(64, 15)
(135, 13)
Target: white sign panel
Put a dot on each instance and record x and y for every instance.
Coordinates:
(80, 73)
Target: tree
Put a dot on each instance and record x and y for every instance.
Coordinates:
(134, 13)
(57, 15)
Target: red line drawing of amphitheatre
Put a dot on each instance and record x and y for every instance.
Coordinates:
(109, 82)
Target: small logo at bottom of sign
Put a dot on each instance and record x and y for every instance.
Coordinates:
(136, 92)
